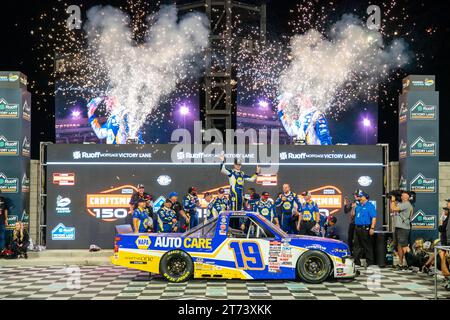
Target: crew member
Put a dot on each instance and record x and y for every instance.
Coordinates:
(219, 204)
(402, 213)
(351, 227)
(252, 199)
(140, 194)
(190, 205)
(167, 218)
(308, 224)
(182, 218)
(236, 177)
(289, 205)
(265, 207)
(365, 221)
(141, 219)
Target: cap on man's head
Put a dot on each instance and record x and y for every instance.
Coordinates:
(221, 190)
(206, 194)
(306, 193)
(140, 186)
(265, 194)
(237, 161)
(357, 192)
(448, 200)
(191, 189)
(168, 201)
(173, 194)
(333, 219)
(363, 194)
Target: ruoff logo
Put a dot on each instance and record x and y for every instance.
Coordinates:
(8, 148)
(422, 221)
(8, 185)
(8, 110)
(421, 111)
(422, 184)
(420, 147)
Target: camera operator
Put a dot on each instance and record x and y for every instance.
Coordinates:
(365, 220)
(347, 209)
(402, 212)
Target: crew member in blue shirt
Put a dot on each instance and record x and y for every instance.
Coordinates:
(141, 219)
(365, 220)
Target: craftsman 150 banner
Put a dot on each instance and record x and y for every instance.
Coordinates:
(89, 186)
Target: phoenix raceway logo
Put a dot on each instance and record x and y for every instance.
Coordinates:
(111, 204)
(63, 205)
(402, 149)
(8, 148)
(26, 111)
(61, 232)
(8, 185)
(421, 111)
(8, 110)
(25, 183)
(422, 184)
(26, 147)
(164, 180)
(422, 221)
(402, 183)
(365, 181)
(420, 147)
(403, 112)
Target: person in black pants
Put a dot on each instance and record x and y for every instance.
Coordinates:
(351, 227)
(365, 221)
(20, 241)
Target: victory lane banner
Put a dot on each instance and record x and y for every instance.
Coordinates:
(89, 186)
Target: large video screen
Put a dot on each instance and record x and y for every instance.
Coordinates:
(82, 211)
(74, 124)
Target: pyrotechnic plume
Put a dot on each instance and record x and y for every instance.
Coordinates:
(139, 76)
(332, 69)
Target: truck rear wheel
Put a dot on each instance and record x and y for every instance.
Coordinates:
(176, 266)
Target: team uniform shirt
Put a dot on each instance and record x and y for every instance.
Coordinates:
(216, 206)
(309, 211)
(265, 208)
(286, 203)
(136, 196)
(364, 213)
(165, 219)
(144, 219)
(236, 179)
(190, 204)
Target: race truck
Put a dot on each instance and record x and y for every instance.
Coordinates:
(234, 245)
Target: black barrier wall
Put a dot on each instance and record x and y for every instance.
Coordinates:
(15, 117)
(419, 151)
(89, 186)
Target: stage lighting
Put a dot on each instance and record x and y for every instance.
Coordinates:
(366, 122)
(184, 110)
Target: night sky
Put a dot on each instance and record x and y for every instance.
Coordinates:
(427, 28)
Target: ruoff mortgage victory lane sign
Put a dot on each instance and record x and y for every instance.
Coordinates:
(419, 151)
(15, 117)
